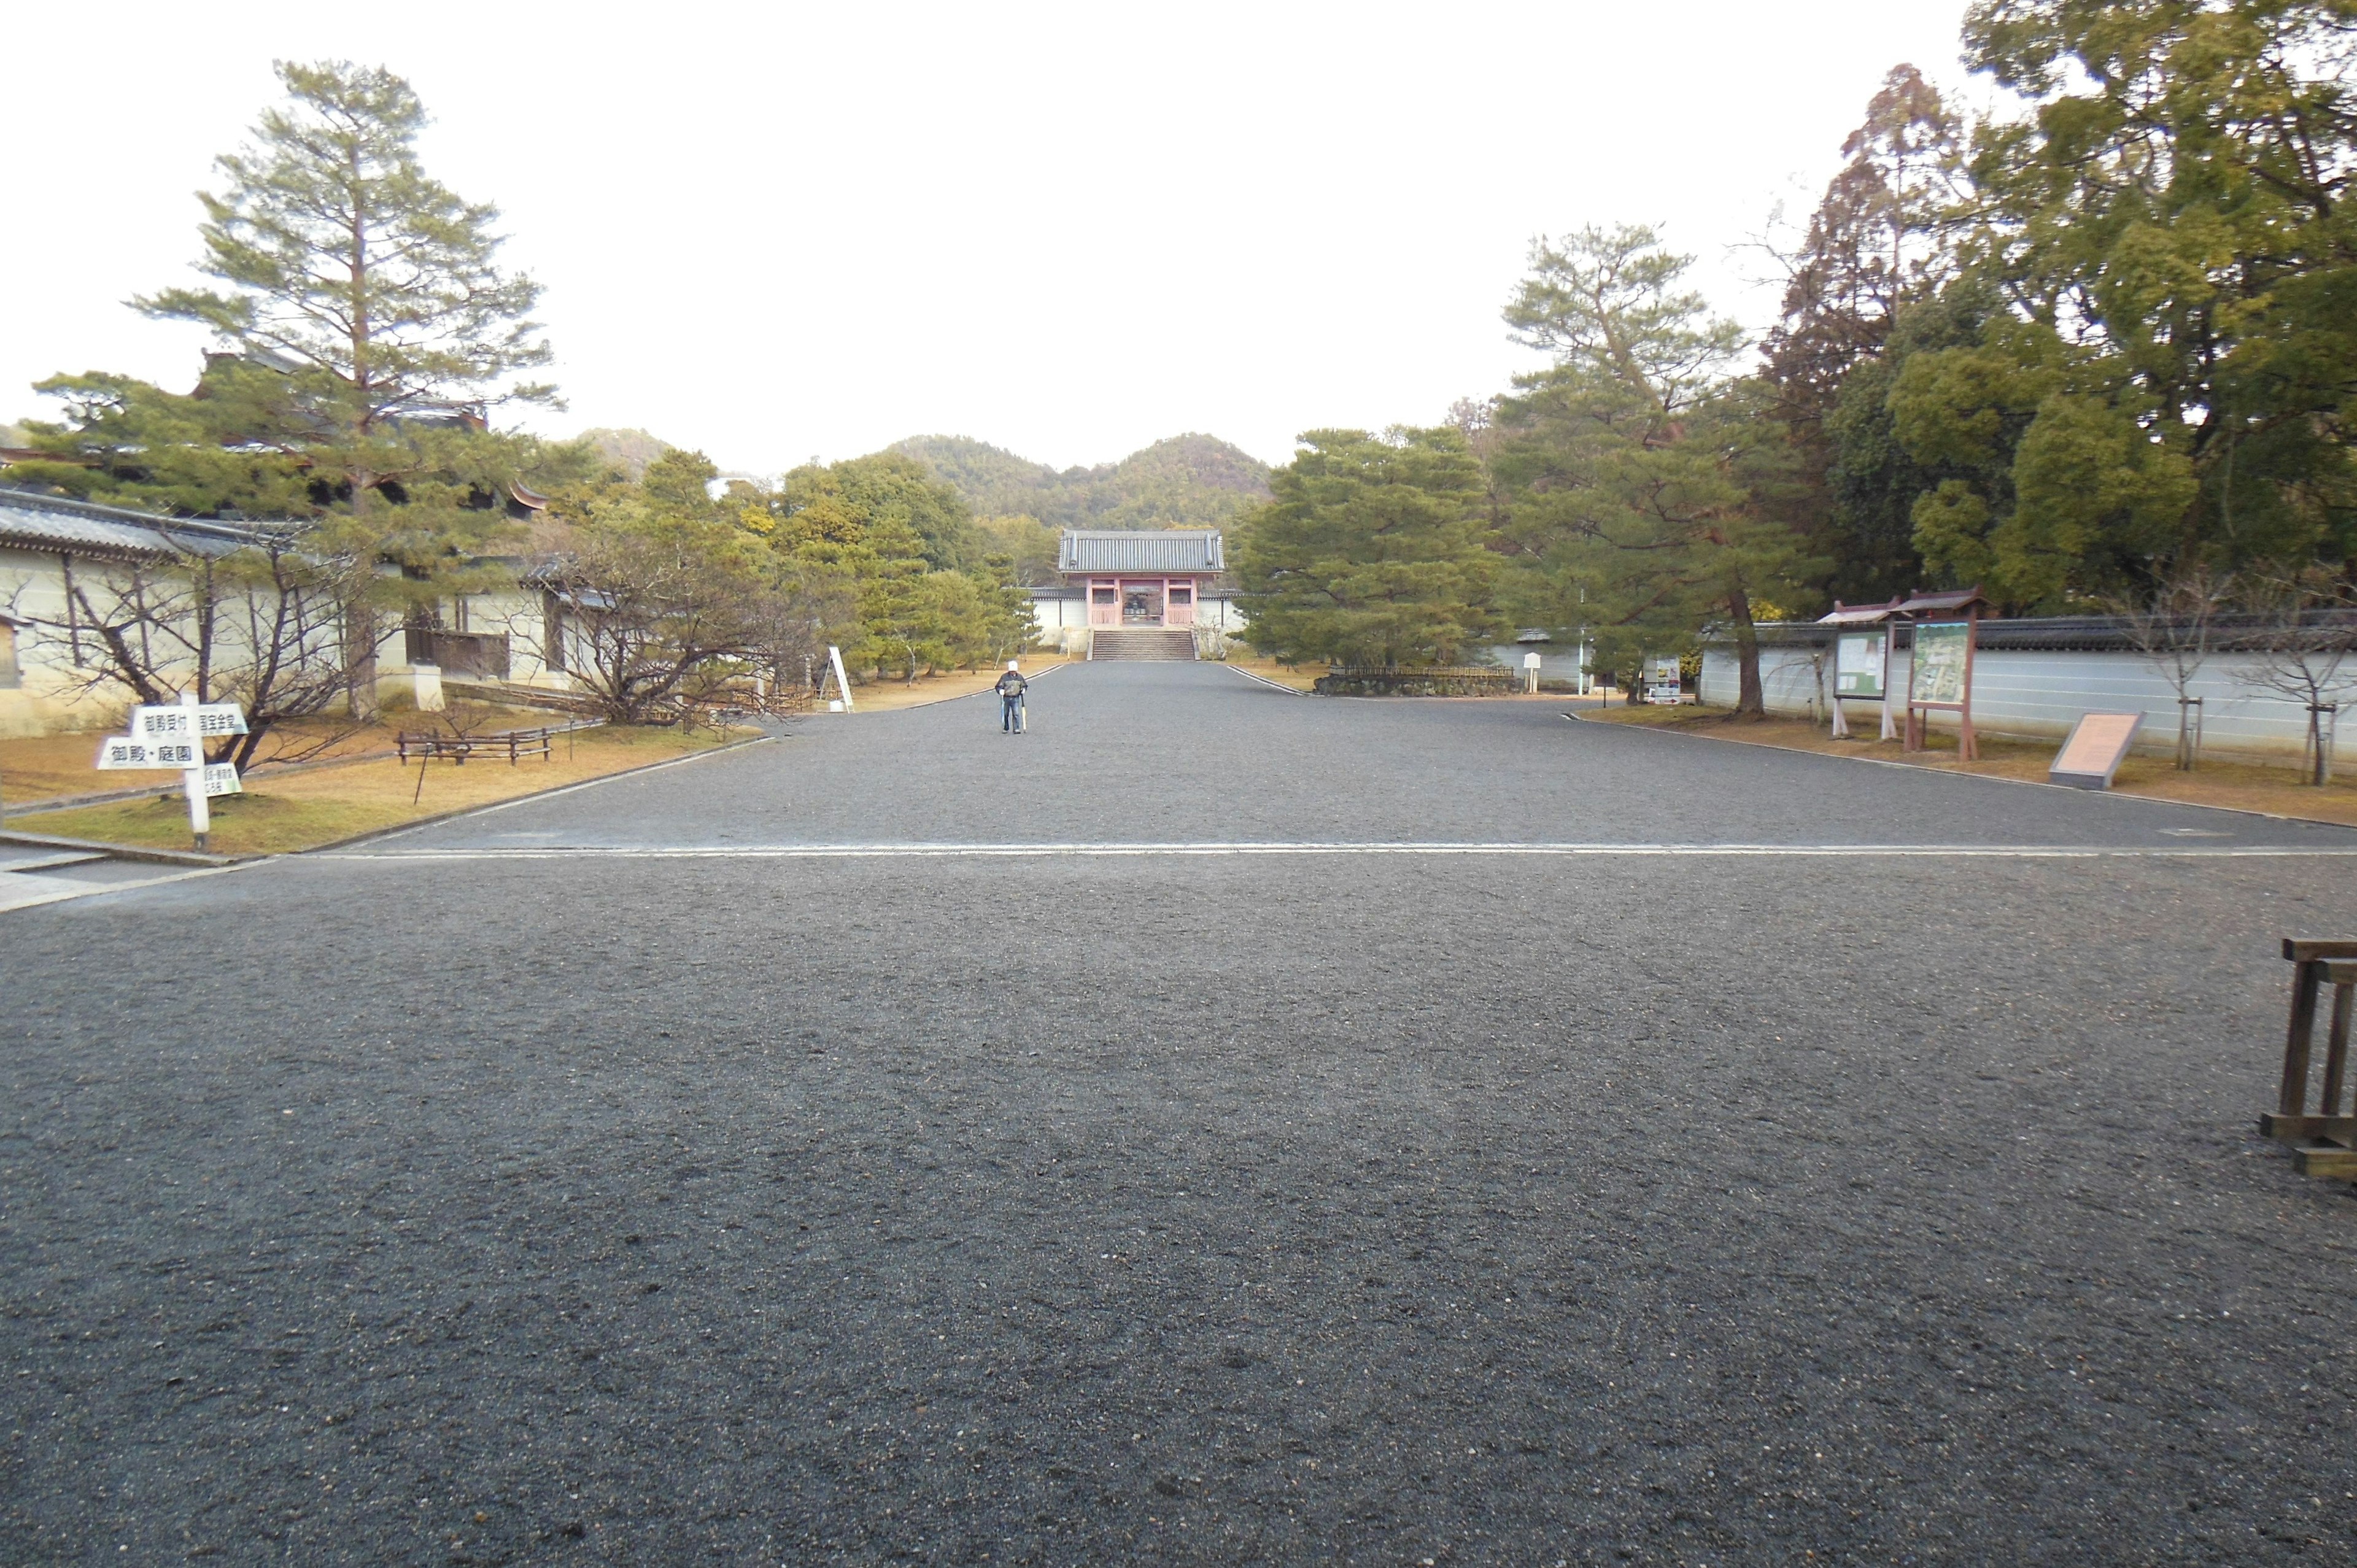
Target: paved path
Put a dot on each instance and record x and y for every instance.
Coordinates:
(657, 1171)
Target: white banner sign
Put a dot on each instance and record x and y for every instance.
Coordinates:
(130, 751)
(221, 778)
(186, 720)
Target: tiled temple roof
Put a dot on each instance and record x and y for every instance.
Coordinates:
(1175, 550)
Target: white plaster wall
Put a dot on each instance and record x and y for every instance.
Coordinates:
(1557, 660)
(2039, 695)
(50, 698)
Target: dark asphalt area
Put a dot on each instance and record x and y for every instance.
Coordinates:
(423, 1206)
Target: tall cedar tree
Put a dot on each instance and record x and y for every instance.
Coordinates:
(1371, 552)
(1636, 468)
(1875, 245)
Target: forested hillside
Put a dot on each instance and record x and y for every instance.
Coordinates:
(1186, 481)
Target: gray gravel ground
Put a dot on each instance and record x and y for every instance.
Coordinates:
(1071, 1210)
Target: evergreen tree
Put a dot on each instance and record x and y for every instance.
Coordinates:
(367, 333)
(1874, 247)
(901, 614)
(2167, 385)
(1371, 552)
(1640, 474)
(890, 487)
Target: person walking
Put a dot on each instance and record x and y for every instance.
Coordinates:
(1011, 687)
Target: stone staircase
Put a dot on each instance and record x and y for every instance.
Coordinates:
(1142, 642)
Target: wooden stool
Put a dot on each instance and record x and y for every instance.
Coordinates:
(2324, 1140)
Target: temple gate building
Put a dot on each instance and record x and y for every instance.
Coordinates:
(1144, 594)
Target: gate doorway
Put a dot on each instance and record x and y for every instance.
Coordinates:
(1141, 604)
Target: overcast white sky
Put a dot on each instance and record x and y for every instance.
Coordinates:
(792, 229)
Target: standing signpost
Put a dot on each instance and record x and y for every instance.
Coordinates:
(172, 736)
(1940, 664)
(1861, 661)
(841, 682)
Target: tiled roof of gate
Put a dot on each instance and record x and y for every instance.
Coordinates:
(1158, 550)
(79, 528)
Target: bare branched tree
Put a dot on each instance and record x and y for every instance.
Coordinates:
(2176, 629)
(663, 620)
(261, 624)
(2302, 630)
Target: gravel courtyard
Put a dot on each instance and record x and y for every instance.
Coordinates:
(1750, 1157)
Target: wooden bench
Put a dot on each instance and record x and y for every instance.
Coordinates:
(2323, 1139)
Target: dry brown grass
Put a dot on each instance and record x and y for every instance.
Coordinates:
(2238, 786)
(307, 808)
(60, 766)
(1300, 676)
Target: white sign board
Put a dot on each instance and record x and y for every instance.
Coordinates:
(117, 751)
(174, 737)
(183, 719)
(1858, 665)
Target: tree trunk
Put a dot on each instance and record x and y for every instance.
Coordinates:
(1748, 701)
(360, 664)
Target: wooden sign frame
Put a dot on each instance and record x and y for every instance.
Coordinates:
(1878, 636)
(1968, 748)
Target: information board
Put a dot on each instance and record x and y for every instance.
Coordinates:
(1858, 663)
(1661, 680)
(2098, 743)
(1943, 650)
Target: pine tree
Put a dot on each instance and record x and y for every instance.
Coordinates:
(1636, 468)
(1371, 551)
(367, 332)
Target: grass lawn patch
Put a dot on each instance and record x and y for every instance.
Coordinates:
(2240, 786)
(306, 809)
(60, 767)
(48, 766)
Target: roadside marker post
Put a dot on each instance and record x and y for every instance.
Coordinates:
(172, 736)
(842, 682)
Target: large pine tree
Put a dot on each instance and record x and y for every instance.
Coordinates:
(1371, 552)
(367, 335)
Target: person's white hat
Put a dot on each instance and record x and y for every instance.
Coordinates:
(1013, 664)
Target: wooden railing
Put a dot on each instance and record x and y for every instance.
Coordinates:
(515, 745)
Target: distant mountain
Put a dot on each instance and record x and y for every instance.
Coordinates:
(630, 449)
(1186, 481)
